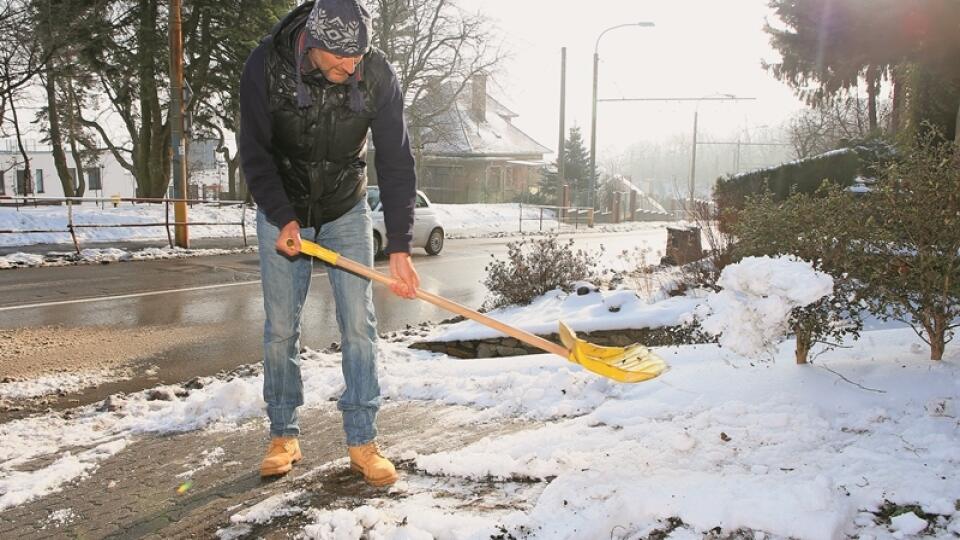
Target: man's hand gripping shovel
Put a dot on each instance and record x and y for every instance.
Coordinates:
(624, 364)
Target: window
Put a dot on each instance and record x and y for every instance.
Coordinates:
(93, 179)
(38, 180)
(3, 183)
(421, 202)
(23, 187)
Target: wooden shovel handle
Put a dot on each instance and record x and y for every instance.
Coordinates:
(441, 302)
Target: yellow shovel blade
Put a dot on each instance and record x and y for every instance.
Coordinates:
(631, 364)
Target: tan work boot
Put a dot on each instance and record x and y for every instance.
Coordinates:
(376, 469)
(282, 454)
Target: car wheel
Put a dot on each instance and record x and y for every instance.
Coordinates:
(377, 246)
(435, 242)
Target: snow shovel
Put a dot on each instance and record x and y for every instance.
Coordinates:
(631, 364)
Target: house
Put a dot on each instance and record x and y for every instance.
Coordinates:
(472, 152)
(105, 178)
(102, 180)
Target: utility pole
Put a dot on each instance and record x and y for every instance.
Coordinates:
(177, 146)
(693, 163)
(561, 150)
(592, 181)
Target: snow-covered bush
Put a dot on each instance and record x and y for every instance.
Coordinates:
(535, 266)
(820, 229)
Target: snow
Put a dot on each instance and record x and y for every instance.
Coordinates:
(55, 217)
(597, 310)
(802, 451)
(208, 458)
(267, 510)
(109, 255)
(18, 487)
(60, 382)
(908, 523)
(751, 313)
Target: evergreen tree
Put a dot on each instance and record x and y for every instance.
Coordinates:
(830, 47)
(576, 160)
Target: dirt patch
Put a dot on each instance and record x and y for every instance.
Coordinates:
(26, 353)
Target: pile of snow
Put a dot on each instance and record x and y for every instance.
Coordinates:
(752, 311)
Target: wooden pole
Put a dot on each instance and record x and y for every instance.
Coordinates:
(177, 143)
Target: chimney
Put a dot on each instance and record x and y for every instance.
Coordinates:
(478, 97)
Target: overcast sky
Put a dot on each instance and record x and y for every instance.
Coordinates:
(697, 48)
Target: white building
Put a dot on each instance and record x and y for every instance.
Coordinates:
(106, 179)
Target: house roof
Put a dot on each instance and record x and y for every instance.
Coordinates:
(458, 133)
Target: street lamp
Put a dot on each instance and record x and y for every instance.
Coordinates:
(593, 118)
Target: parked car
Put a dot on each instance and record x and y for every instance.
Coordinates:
(427, 229)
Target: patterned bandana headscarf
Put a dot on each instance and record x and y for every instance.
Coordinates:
(341, 27)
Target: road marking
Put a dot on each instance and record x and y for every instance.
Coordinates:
(132, 295)
(170, 291)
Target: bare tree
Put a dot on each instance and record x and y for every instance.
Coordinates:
(436, 48)
(21, 60)
(832, 124)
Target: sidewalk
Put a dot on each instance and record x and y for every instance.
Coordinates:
(134, 493)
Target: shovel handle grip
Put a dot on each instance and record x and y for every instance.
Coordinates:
(336, 259)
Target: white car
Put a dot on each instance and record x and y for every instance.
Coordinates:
(427, 229)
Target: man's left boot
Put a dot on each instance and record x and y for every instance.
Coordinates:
(376, 469)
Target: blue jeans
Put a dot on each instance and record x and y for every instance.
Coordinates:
(285, 284)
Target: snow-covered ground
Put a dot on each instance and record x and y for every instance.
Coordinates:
(108, 255)
(55, 218)
(719, 440)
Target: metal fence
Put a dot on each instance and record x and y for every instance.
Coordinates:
(21, 201)
(562, 214)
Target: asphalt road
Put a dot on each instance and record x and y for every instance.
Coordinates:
(215, 305)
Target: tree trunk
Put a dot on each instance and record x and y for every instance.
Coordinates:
(56, 135)
(151, 152)
(804, 341)
(938, 333)
(238, 184)
(956, 129)
(72, 136)
(897, 101)
(232, 165)
(27, 177)
(873, 89)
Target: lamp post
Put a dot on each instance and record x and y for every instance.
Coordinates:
(593, 117)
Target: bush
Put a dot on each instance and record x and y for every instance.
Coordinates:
(535, 266)
(909, 255)
(840, 167)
